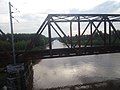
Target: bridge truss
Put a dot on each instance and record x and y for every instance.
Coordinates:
(80, 27)
(102, 24)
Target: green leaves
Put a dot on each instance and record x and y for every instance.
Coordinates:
(21, 42)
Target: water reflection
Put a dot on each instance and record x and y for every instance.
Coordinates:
(57, 44)
(74, 70)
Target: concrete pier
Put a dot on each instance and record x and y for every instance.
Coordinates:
(19, 77)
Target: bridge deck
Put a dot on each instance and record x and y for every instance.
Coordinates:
(63, 52)
(67, 52)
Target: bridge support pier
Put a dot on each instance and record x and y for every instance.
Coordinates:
(19, 77)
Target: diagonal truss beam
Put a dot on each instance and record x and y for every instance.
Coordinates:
(94, 31)
(98, 31)
(60, 36)
(59, 27)
(47, 18)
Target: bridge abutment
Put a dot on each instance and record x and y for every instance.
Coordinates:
(19, 77)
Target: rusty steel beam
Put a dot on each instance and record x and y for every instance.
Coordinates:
(112, 17)
(85, 28)
(71, 34)
(42, 25)
(92, 15)
(105, 31)
(109, 35)
(79, 38)
(91, 35)
(49, 35)
(43, 28)
(83, 20)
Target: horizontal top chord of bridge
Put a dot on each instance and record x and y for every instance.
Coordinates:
(84, 14)
(84, 17)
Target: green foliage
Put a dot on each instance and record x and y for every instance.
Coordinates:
(22, 41)
(20, 45)
(97, 39)
(4, 45)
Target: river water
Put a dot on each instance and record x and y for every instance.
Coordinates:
(75, 70)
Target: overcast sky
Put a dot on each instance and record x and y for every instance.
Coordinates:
(33, 12)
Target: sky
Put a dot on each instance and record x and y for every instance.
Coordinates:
(33, 12)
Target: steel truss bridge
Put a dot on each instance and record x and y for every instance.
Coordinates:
(83, 24)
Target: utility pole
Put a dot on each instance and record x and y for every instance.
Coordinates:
(11, 26)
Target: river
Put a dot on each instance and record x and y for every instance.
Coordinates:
(75, 70)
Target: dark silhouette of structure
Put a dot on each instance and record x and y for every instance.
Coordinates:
(94, 22)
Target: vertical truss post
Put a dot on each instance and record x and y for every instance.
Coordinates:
(79, 39)
(109, 35)
(71, 34)
(105, 34)
(49, 35)
(91, 35)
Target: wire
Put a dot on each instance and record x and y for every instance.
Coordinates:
(16, 20)
(15, 12)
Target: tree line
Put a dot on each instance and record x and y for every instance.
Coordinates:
(96, 39)
(22, 41)
(39, 42)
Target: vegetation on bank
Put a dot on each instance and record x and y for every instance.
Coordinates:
(22, 42)
(97, 39)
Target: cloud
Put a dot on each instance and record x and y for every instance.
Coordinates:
(106, 7)
(3, 6)
(31, 20)
(29, 17)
